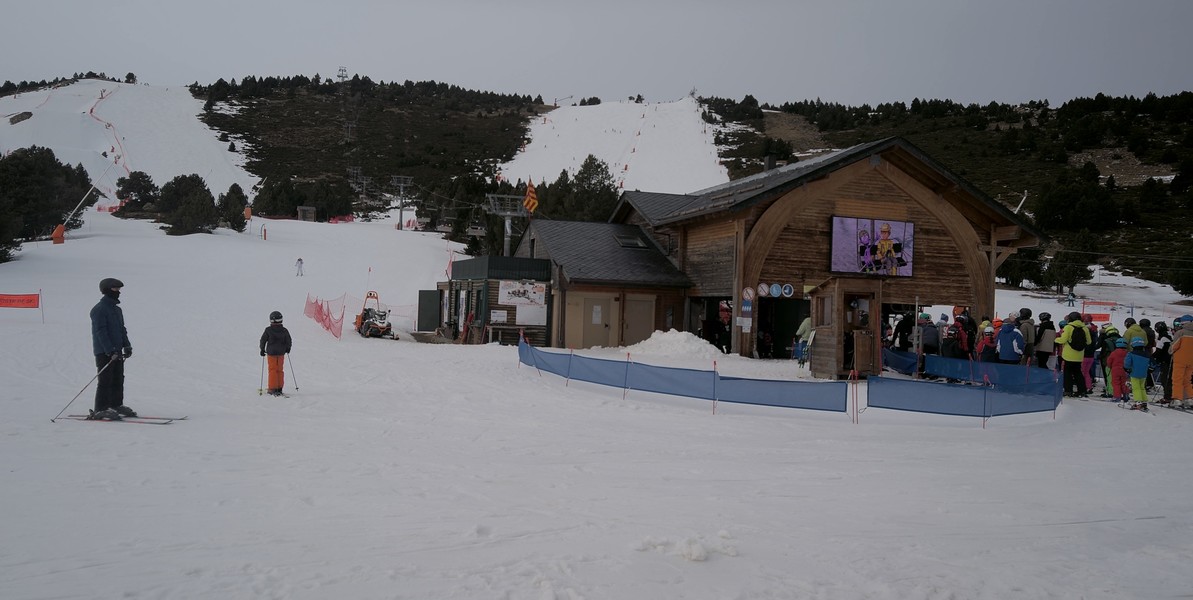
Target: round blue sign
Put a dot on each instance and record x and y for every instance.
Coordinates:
(788, 290)
(775, 290)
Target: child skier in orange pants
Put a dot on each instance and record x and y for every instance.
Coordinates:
(275, 343)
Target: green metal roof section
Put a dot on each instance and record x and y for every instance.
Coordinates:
(502, 267)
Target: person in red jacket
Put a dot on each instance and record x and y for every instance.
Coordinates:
(1118, 388)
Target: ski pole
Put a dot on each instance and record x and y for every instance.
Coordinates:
(292, 371)
(72, 400)
(261, 390)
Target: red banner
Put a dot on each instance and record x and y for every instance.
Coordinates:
(20, 300)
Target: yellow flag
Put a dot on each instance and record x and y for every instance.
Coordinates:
(531, 201)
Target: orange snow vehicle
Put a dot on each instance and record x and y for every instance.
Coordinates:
(373, 321)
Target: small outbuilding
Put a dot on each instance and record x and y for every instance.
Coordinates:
(611, 284)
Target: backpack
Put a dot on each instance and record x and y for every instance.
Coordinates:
(1108, 342)
(953, 332)
(1077, 340)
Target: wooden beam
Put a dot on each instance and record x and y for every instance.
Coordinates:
(772, 222)
(1005, 233)
(979, 268)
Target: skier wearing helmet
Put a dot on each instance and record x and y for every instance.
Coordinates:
(275, 345)
(1027, 328)
(1073, 340)
(1136, 364)
(109, 343)
(1045, 340)
(1182, 366)
(1119, 387)
(1162, 358)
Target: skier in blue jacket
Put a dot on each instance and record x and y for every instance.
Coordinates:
(109, 343)
(1010, 343)
(1137, 363)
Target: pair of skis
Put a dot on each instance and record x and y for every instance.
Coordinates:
(138, 420)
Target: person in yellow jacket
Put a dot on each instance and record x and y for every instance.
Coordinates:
(1182, 366)
(1073, 340)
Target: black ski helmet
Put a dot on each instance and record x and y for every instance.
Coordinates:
(1025, 313)
(107, 283)
(275, 317)
(1045, 316)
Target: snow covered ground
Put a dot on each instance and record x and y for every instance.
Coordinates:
(114, 128)
(406, 470)
(653, 147)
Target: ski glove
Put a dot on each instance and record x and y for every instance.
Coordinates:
(128, 351)
(262, 353)
(115, 357)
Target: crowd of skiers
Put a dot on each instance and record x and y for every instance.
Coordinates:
(1130, 363)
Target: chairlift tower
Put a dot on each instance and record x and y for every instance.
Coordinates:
(508, 206)
(400, 183)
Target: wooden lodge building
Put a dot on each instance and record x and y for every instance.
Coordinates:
(846, 238)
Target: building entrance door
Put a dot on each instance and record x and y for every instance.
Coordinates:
(597, 314)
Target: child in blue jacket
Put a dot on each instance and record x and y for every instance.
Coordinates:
(1136, 365)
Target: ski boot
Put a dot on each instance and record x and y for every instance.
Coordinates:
(106, 414)
(125, 411)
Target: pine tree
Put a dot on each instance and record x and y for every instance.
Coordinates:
(137, 191)
(195, 213)
(231, 207)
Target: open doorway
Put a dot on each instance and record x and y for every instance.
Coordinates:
(778, 320)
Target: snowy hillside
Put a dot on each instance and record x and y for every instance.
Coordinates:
(655, 147)
(404, 470)
(113, 129)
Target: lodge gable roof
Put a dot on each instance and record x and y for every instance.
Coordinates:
(659, 210)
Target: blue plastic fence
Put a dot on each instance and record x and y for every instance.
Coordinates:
(690, 383)
(1014, 392)
(1021, 379)
(954, 399)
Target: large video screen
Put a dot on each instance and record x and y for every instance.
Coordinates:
(872, 246)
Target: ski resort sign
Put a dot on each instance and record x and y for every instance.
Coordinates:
(521, 293)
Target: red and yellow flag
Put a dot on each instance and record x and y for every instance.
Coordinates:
(531, 201)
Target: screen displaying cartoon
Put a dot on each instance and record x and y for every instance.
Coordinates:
(872, 246)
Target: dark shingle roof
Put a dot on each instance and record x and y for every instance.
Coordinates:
(654, 206)
(591, 253)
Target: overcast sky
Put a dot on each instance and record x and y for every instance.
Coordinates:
(847, 51)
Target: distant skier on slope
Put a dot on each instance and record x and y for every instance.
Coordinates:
(298, 266)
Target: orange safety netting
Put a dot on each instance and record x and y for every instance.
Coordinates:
(324, 313)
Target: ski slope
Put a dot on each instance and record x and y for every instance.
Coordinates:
(154, 129)
(654, 147)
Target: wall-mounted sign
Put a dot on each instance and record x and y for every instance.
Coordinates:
(519, 292)
(763, 290)
(788, 290)
(747, 293)
(776, 290)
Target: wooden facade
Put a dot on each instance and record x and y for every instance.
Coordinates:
(473, 308)
(777, 227)
(610, 285)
